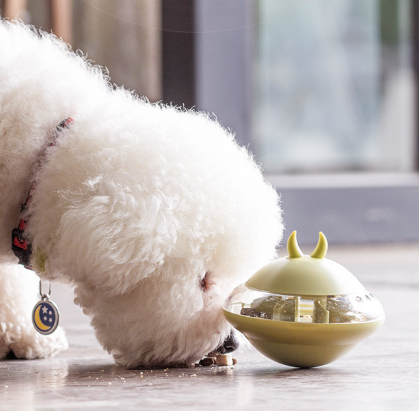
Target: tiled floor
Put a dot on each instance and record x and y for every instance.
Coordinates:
(382, 373)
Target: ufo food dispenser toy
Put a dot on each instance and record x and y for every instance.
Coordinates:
(304, 310)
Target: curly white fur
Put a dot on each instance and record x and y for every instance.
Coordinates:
(135, 206)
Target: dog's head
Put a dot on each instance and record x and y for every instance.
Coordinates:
(157, 217)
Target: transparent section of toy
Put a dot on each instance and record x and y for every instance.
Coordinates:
(351, 308)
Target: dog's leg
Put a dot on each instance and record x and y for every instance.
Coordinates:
(18, 295)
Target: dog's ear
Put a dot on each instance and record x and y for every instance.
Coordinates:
(113, 244)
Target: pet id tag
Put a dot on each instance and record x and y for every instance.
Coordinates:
(45, 315)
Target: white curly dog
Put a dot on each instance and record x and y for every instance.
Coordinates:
(151, 212)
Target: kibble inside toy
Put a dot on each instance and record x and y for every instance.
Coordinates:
(304, 310)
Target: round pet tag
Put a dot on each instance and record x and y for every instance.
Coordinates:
(45, 316)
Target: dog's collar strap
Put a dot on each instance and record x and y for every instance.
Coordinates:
(21, 246)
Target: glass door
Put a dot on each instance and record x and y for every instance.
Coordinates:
(334, 86)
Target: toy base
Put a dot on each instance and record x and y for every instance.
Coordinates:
(303, 356)
(302, 344)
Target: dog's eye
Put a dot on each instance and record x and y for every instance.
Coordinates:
(205, 282)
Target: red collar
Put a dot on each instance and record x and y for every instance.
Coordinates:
(21, 246)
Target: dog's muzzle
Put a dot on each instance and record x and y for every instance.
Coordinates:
(230, 344)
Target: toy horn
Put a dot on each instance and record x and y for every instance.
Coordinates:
(293, 248)
(321, 248)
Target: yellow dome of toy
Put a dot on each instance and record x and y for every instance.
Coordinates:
(304, 310)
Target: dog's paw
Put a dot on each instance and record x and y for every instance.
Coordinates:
(28, 344)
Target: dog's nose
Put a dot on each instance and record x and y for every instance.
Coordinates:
(230, 344)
